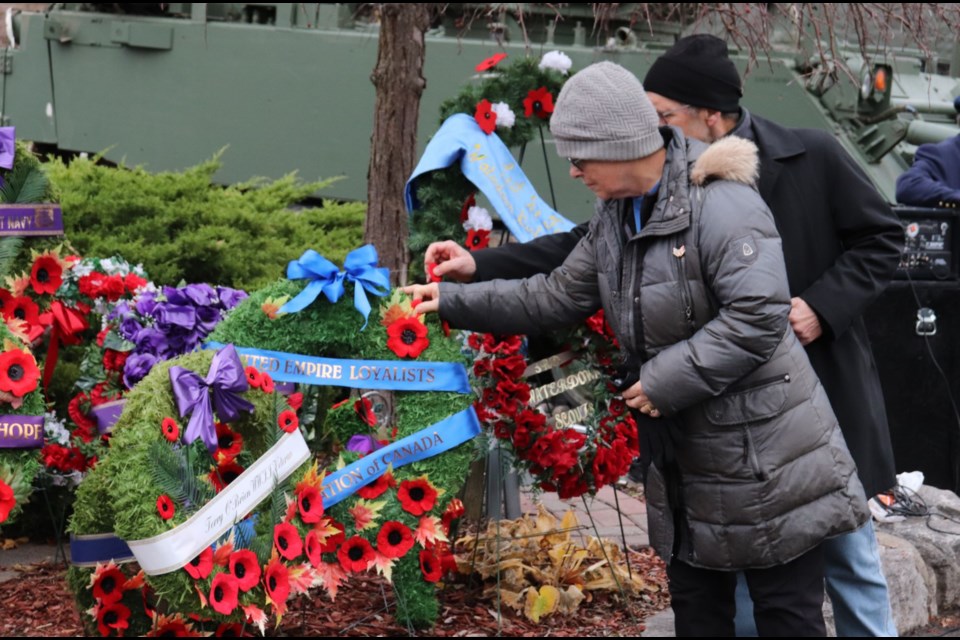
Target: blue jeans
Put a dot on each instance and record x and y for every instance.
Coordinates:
(857, 588)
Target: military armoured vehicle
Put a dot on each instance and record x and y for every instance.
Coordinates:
(286, 87)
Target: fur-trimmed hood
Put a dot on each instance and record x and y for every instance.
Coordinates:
(729, 158)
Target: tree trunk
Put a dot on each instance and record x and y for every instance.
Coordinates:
(398, 78)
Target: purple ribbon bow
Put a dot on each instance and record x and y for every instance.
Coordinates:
(227, 381)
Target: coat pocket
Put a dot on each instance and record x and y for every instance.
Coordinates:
(756, 402)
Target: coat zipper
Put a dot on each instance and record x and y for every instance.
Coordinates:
(750, 455)
(686, 297)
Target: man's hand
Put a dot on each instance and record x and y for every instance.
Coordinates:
(804, 321)
(426, 297)
(451, 259)
(637, 398)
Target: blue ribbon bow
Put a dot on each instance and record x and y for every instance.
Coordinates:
(227, 381)
(360, 267)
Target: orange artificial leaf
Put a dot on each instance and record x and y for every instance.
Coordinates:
(221, 556)
(428, 531)
(365, 514)
(301, 578)
(256, 615)
(384, 566)
(332, 576)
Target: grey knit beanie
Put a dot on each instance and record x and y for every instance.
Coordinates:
(603, 113)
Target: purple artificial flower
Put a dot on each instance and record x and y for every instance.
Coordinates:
(200, 295)
(146, 302)
(170, 316)
(129, 328)
(8, 146)
(229, 298)
(137, 367)
(207, 319)
(150, 340)
(363, 444)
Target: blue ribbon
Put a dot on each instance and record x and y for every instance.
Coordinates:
(360, 267)
(226, 380)
(87, 551)
(426, 443)
(390, 375)
(489, 165)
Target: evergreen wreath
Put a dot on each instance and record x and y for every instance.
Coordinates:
(569, 460)
(397, 526)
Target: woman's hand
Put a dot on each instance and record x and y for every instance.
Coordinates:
(637, 398)
(426, 297)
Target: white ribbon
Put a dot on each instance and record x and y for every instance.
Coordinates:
(173, 549)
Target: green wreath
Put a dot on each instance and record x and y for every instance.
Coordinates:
(396, 525)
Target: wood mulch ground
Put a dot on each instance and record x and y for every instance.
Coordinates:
(37, 603)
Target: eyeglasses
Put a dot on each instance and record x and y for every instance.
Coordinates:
(577, 163)
(666, 115)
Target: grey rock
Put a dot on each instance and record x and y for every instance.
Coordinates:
(912, 585)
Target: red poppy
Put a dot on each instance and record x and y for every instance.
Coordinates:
(223, 593)
(201, 566)
(430, 566)
(355, 555)
(245, 568)
(417, 496)
(287, 540)
(19, 374)
(394, 539)
(266, 383)
(108, 585)
(7, 500)
(254, 379)
(5, 299)
(478, 239)
(165, 507)
(173, 627)
(376, 488)
(312, 548)
(24, 309)
(539, 102)
(332, 543)
(229, 443)
(470, 202)
(115, 616)
(170, 429)
(224, 474)
(229, 630)
(46, 276)
(407, 337)
(310, 504)
(277, 581)
(287, 420)
(295, 400)
(509, 368)
(364, 409)
(431, 277)
(485, 116)
(491, 62)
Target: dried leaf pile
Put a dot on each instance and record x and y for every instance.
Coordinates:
(539, 566)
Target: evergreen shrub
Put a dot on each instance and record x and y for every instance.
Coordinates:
(182, 227)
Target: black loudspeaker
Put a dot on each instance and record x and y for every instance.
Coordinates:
(914, 329)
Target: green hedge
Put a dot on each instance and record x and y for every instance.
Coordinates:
(180, 226)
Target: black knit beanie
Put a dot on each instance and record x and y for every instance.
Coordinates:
(697, 70)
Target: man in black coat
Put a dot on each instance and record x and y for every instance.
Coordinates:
(841, 243)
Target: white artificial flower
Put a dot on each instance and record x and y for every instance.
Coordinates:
(107, 265)
(556, 60)
(505, 116)
(82, 268)
(55, 430)
(478, 219)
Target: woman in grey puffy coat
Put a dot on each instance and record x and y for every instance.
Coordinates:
(684, 258)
